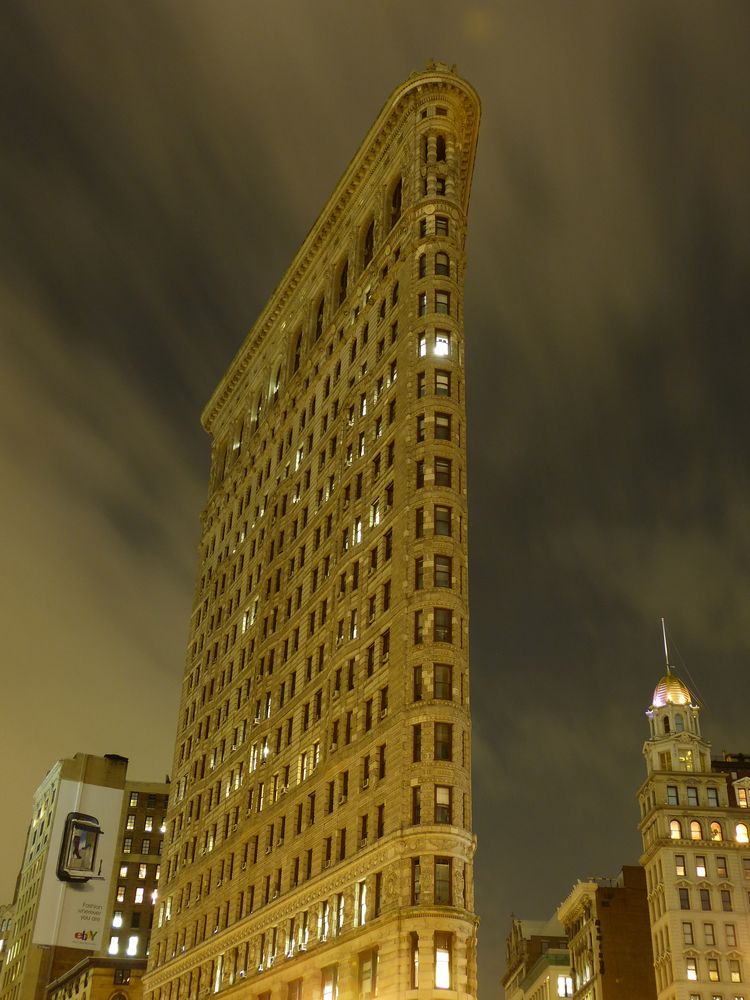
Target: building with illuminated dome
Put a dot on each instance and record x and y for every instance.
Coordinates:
(696, 853)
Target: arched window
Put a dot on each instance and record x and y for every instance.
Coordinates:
(740, 833)
(422, 265)
(440, 149)
(343, 281)
(675, 829)
(297, 352)
(696, 831)
(442, 264)
(679, 723)
(716, 832)
(369, 244)
(319, 319)
(396, 202)
(666, 724)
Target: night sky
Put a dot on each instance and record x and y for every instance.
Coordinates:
(161, 164)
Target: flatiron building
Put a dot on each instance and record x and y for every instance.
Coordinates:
(319, 838)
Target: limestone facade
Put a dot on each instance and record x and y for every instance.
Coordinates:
(319, 836)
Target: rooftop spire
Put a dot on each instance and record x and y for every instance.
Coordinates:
(666, 648)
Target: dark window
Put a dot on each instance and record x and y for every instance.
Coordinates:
(443, 571)
(443, 681)
(442, 264)
(441, 225)
(422, 265)
(443, 881)
(343, 281)
(442, 472)
(396, 199)
(443, 426)
(442, 383)
(443, 302)
(440, 149)
(443, 625)
(443, 741)
(319, 319)
(442, 520)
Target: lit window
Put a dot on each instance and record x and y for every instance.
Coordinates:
(716, 832)
(148, 825)
(127, 845)
(740, 833)
(360, 903)
(565, 986)
(368, 964)
(123, 871)
(120, 893)
(130, 825)
(700, 866)
(142, 869)
(696, 831)
(114, 944)
(422, 347)
(742, 800)
(442, 343)
(132, 945)
(692, 969)
(117, 918)
(145, 846)
(139, 894)
(329, 983)
(422, 304)
(133, 800)
(713, 970)
(675, 829)
(442, 961)
(735, 972)
(679, 864)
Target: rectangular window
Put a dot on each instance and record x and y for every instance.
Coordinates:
(443, 741)
(712, 796)
(442, 520)
(443, 426)
(418, 626)
(416, 743)
(442, 343)
(443, 625)
(721, 867)
(416, 882)
(130, 824)
(726, 900)
(709, 936)
(735, 971)
(329, 983)
(684, 896)
(127, 845)
(422, 304)
(441, 225)
(692, 796)
(731, 935)
(443, 804)
(443, 571)
(713, 970)
(419, 479)
(420, 427)
(368, 965)
(419, 573)
(687, 933)
(673, 798)
(416, 805)
(442, 383)
(422, 379)
(133, 800)
(691, 969)
(700, 866)
(443, 682)
(442, 472)
(443, 895)
(705, 898)
(443, 949)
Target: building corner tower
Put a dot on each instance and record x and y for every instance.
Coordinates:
(319, 840)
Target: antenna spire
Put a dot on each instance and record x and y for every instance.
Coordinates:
(666, 648)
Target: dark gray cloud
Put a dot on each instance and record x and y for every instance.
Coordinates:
(163, 162)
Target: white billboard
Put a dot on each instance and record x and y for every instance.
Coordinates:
(82, 849)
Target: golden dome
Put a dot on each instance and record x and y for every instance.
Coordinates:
(671, 691)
